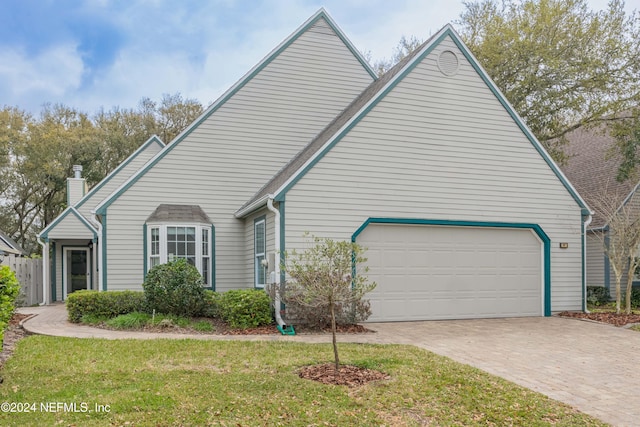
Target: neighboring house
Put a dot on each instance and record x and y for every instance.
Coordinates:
(463, 212)
(592, 167)
(9, 247)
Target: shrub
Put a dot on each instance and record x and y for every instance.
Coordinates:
(597, 295)
(245, 308)
(211, 303)
(9, 291)
(174, 288)
(103, 304)
(635, 298)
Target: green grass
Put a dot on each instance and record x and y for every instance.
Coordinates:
(229, 383)
(137, 321)
(635, 328)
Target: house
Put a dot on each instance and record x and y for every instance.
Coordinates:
(592, 167)
(463, 212)
(9, 247)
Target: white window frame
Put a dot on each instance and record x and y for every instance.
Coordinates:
(164, 256)
(258, 256)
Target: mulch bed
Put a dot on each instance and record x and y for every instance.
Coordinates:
(348, 375)
(220, 327)
(12, 335)
(605, 317)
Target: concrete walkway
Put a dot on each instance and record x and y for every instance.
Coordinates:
(590, 366)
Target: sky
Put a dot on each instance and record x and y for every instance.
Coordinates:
(95, 54)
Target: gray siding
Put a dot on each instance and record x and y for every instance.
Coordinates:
(439, 147)
(76, 188)
(70, 228)
(138, 159)
(222, 162)
(595, 260)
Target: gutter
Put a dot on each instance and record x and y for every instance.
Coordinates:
(585, 224)
(277, 304)
(98, 246)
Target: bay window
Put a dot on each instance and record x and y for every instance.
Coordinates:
(168, 242)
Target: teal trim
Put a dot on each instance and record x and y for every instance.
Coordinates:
(607, 265)
(104, 251)
(283, 254)
(54, 272)
(213, 257)
(534, 227)
(398, 78)
(153, 140)
(256, 220)
(70, 210)
(230, 93)
(144, 251)
(584, 265)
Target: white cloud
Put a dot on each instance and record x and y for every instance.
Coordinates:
(51, 74)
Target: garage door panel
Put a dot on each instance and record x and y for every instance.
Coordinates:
(438, 272)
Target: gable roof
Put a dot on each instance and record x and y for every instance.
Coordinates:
(278, 186)
(592, 167)
(44, 234)
(9, 246)
(320, 14)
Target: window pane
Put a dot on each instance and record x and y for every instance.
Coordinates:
(191, 260)
(191, 233)
(261, 272)
(180, 234)
(205, 242)
(181, 249)
(172, 250)
(171, 234)
(154, 261)
(191, 248)
(205, 270)
(260, 237)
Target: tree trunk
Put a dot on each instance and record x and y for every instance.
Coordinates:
(618, 293)
(333, 332)
(632, 267)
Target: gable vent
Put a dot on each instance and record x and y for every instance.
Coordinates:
(448, 63)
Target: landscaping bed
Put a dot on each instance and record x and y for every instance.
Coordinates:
(609, 317)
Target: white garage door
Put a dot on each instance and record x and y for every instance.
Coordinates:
(439, 272)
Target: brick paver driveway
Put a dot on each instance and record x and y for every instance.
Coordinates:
(593, 367)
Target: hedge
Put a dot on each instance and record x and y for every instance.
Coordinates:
(103, 304)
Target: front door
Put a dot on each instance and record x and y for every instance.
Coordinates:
(77, 272)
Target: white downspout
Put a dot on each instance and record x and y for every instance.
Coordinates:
(584, 263)
(45, 271)
(276, 302)
(98, 246)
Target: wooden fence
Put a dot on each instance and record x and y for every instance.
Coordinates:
(29, 274)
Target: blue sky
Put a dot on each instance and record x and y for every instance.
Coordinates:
(96, 54)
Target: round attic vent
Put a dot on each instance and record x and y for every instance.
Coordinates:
(448, 63)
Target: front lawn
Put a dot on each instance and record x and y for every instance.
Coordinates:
(236, 383)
